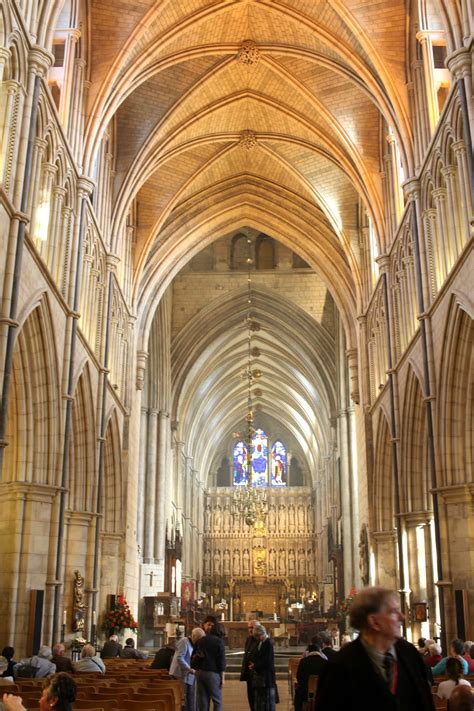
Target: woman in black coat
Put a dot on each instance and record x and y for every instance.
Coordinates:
(262, 667)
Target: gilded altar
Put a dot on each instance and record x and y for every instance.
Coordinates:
(260, 566)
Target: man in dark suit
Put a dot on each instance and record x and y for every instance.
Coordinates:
(111, 648)
(379, 671)
(251, 644)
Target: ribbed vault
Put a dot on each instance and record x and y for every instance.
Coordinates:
(296, 357)
(206, 100)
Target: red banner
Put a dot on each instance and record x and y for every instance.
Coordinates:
(187, 592)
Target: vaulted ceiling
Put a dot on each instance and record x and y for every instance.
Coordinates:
(262, 113)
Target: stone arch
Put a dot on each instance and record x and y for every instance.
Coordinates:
(383, 500)
(112, 494)
(414, 449)
(456, 395)
(33, 418)
(82, 457)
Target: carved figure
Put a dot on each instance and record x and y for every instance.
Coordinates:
(207, 562)
(236, 562)
(310, 518)
(291, 562)
(291, 518)
(301, 521)
(227, 523)
(226, 562)
(311, 568)
(79, 602)
(217, 563)
(282, 562)
(364, 555)
(246, 562)
(207, 518)
(259, 561)
(271, 518)
(282, 518)
(272, 561)
(217, 519)
(301, 562)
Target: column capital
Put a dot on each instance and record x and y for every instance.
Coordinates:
(412, 187)
(459, 62)
(40, 60)
(86, 185)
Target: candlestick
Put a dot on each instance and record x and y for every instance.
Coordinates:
(64, 617)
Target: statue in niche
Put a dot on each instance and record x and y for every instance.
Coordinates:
(271, 518)
(79, 602)
(227, 523)
(207, 518)
(217, 563)
(301, 562)
(291, 518)
(259, 561)
(311, 568)
(246, 562)
(226, 562)
(282, 562)
(300, 516)
(207, 562)
(291, 562)
(282, 518)
(236, 525)
(236, 562)
(217, 519)
(364, 555)
(272, 562)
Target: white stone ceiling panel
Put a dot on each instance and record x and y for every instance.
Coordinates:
(256, 162)
(351, 106)
(328, 181)
(158, 192)
(147, 105)
(386, 25)
(235, 78)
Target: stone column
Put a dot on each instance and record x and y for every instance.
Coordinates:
(162, 474)
(150, 487)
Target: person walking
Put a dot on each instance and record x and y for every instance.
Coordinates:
(262, 667)
(208, 660)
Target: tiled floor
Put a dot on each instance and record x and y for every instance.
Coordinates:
(235, 696)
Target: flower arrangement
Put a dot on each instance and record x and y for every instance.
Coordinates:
(120, 617)
(346, 604)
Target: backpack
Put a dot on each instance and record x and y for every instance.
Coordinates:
(26, 671)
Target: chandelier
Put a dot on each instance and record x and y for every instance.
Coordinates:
(249, 502)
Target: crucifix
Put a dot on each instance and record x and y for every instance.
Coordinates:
(151, 574)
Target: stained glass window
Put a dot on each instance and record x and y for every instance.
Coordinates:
(264, 468)
(279, 469)
(260, 459)
(240, 464)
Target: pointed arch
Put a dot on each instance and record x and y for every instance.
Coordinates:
(112, 493)
(33, 427)
(456, 395)
(414, 446)
(82, 458)
(383, 500)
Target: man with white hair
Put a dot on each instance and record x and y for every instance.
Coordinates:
(181, 665)
(379, 671)
(39, 665)
(89, 661)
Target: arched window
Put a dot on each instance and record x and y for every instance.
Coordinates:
(279, 466)
(265, 469)
(239, 474)
(260, 459)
